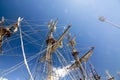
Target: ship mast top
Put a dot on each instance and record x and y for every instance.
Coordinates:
(109, 77)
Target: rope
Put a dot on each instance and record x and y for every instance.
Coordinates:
(13, 68)
(25, 61)
(60, 60)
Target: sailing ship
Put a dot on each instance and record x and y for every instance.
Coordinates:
(53, 62)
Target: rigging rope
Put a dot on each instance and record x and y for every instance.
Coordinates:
(13, 68)
(63, 64)
(25, 60)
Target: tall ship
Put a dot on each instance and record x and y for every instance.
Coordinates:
(45, 51)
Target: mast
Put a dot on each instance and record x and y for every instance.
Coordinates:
(49, 62)
(52, 45)
(118, 73)
(50, 41)
(1, 32)
(75, 53)
(7, 31)
(78, 63)
(109, 77)
(94, 73)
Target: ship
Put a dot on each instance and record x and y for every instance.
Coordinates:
(55, 53)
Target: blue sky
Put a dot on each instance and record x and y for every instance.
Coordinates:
(83, 15)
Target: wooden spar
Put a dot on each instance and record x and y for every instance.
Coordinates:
(7, 31)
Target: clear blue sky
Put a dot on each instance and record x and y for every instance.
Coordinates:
(83, 15)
